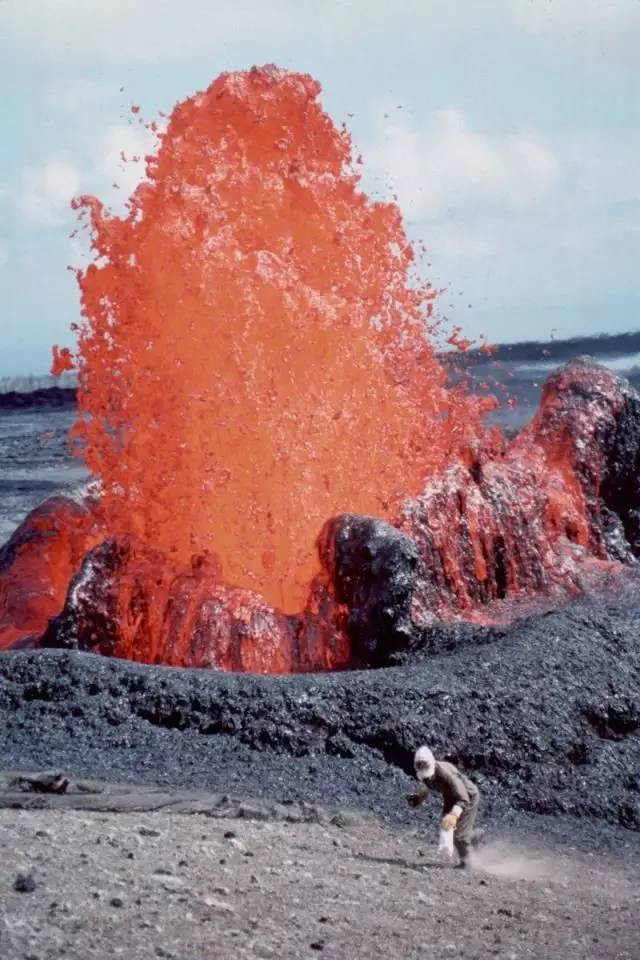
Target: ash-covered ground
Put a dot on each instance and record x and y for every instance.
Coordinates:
(191, 887)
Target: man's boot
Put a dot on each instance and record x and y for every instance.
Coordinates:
(463, 853)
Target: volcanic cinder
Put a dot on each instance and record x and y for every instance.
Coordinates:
(286, 481)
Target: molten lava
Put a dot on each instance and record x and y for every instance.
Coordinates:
(554, 513)
(255, 377)
(255, 355)
(37, 563)
(62, 361)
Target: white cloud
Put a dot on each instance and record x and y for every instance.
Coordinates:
(43, 195)
(114, 176)
(447, 166)
(515, 220)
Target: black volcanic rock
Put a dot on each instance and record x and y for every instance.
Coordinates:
(545, 515)
(544, 715)
(112, 600)
(620, 488)
(593, 416)
(373, 568)
(24, 883)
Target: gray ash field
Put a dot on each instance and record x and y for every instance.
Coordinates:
(190, 887)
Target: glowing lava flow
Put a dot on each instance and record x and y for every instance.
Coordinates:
(254, 355)
(38, 562)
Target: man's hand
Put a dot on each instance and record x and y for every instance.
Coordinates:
(450, 821)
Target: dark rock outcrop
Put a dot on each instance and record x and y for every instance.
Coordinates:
(373, 569)
(50, 783)
(503, 530)
(590, 416)
(545, 515)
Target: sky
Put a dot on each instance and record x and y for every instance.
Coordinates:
(509, 130)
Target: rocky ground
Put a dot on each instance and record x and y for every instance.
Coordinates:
(204, 877)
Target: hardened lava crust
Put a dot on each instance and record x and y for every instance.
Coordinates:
(544, 714)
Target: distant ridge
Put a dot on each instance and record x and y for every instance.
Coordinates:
(33, 384)
(51, 397)
(538, 351)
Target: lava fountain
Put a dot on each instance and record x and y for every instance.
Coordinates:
(259, 395)
(255, 351)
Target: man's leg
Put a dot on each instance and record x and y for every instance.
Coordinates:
(478, 837)
(463, 835)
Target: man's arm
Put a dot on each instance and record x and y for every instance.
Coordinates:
(418, 798)
(459, 795)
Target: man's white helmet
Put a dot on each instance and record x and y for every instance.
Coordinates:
(424, 763)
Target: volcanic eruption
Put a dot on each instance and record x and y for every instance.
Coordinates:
(255, 358)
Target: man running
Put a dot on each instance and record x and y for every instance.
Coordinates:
(460, 799)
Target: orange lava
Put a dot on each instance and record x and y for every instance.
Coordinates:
(62, 361)
(37, 564)
(254, 356)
